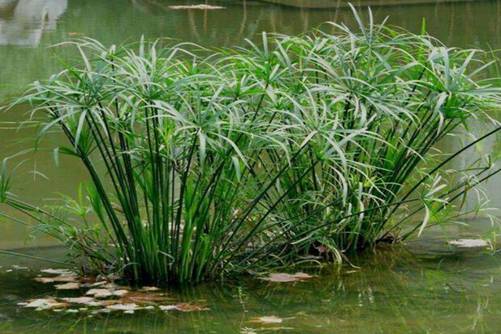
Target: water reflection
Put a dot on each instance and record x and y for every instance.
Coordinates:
(23, 22)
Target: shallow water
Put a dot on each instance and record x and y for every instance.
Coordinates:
(425, 287)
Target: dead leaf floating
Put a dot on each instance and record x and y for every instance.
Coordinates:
(201, 6)
(99, 293)
(272, 319)
(286, 278)
(105, 293)
(68, 286)
(126, 308)
(104, 296)
(469, 243)
(51, 271)
(183, 307)
(89, 301)
(62, 276)
(139, 297)
(56, 279)
(17, 267)
(44, 304)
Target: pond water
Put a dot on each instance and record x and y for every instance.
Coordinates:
(426, 287)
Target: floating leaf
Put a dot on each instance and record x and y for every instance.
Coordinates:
(302, 276)
(201, 6)
(68, 286)
(285, 278)
(100, 293)
(143, 298)
(246, 330)
(58, 272)
(168, 307)
(103, 310)
(126, 308)
(57, 279)
(95, 284)
(120, 293)
(187, 307)
(45, 304)
(89, 301)
(469, 243)
(184, 307)
(16, 267)
(105, 293)
(272, 319)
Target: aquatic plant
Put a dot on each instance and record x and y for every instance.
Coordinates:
(172, 142)
(205, 162)
(406, 92)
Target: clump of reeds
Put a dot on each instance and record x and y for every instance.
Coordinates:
(203, 163)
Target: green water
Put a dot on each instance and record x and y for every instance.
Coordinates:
(424, 287)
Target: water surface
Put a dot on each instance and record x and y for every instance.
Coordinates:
(427, 287)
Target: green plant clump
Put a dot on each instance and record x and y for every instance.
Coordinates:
(204, 163)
